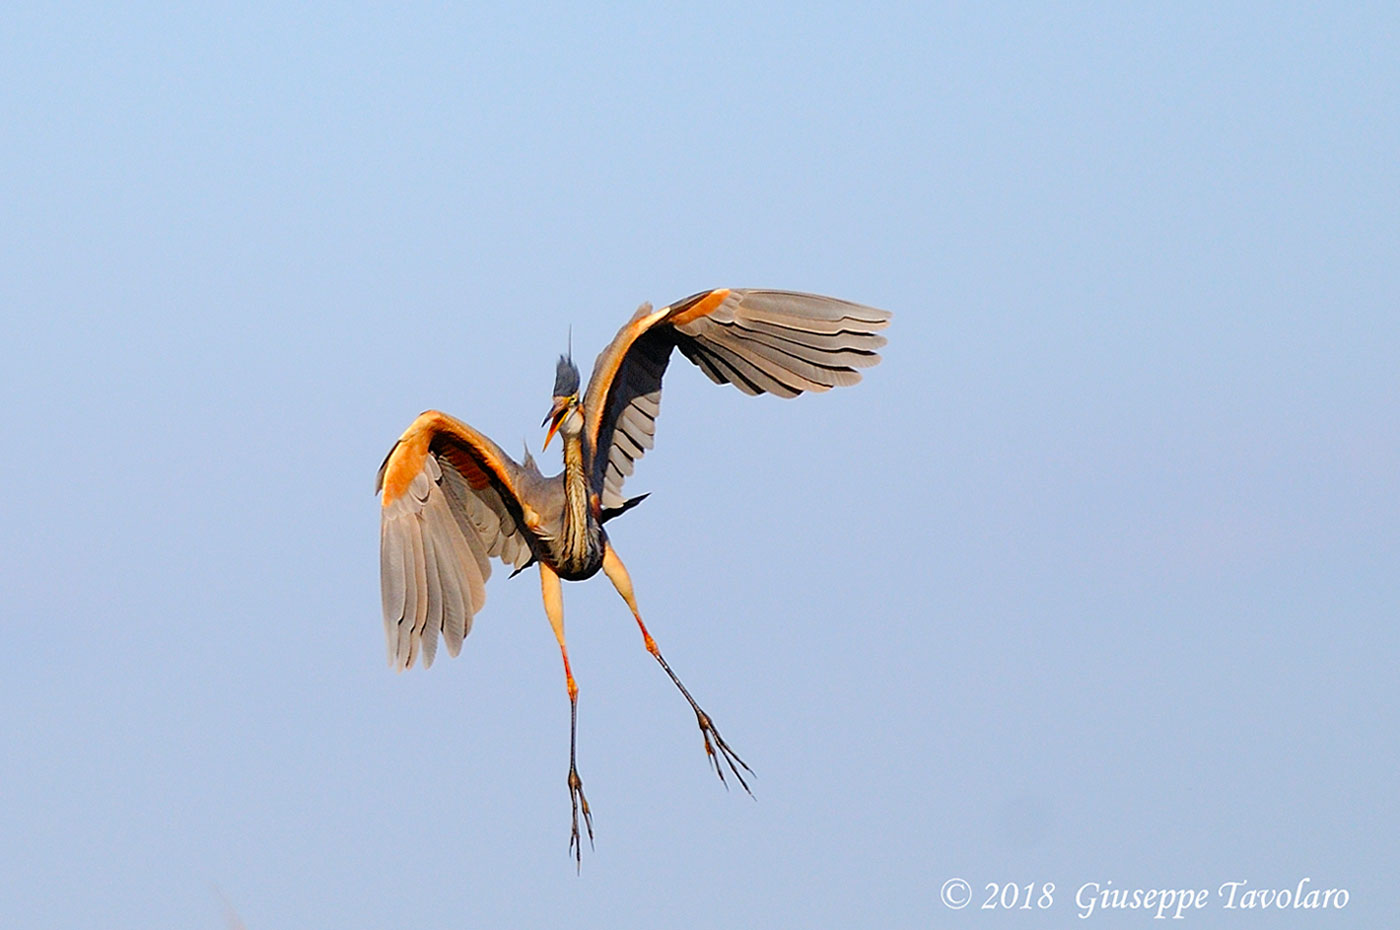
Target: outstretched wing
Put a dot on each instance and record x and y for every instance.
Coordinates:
(451, 500)
(778, 342)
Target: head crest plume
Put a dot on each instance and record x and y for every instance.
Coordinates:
(565, 378)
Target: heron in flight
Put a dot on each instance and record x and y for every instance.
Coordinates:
(451, 500)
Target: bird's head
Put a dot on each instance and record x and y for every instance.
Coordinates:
(566, 414)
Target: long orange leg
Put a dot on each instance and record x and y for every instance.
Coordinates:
(554, 607)
(715, 749)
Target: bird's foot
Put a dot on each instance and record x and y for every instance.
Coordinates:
(579, 801)
(719, 753)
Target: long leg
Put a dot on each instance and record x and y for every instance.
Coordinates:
(554, 607)
(617, 574)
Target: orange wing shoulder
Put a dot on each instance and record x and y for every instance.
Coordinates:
(450, 501)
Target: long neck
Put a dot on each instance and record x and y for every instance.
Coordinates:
(577, 532)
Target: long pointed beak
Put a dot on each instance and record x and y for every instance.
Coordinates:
(554, 418)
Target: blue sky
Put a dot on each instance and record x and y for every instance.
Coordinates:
(1095, 578)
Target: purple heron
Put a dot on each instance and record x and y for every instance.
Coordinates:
(452, 500)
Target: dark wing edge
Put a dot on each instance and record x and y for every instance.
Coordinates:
(761, 341)
(450, 503)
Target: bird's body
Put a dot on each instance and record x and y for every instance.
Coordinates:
(452, 499)
(578, 553)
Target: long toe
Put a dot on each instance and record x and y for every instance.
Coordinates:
(578, 802)
(720, 754)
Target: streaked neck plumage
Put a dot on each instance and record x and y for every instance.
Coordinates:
(580, 551)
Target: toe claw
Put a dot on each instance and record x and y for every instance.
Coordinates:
(723, 752)
(577, 800)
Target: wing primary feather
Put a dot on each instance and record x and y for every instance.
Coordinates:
(393, 580)
(778, 364)
(808, 324)
(757, 378)
(795, 305)
(845, 340)
(824, 357)
(452, 554)
(715, 367)
(432, 571)
(411, 631)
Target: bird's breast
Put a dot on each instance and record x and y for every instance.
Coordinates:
(580, 556)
